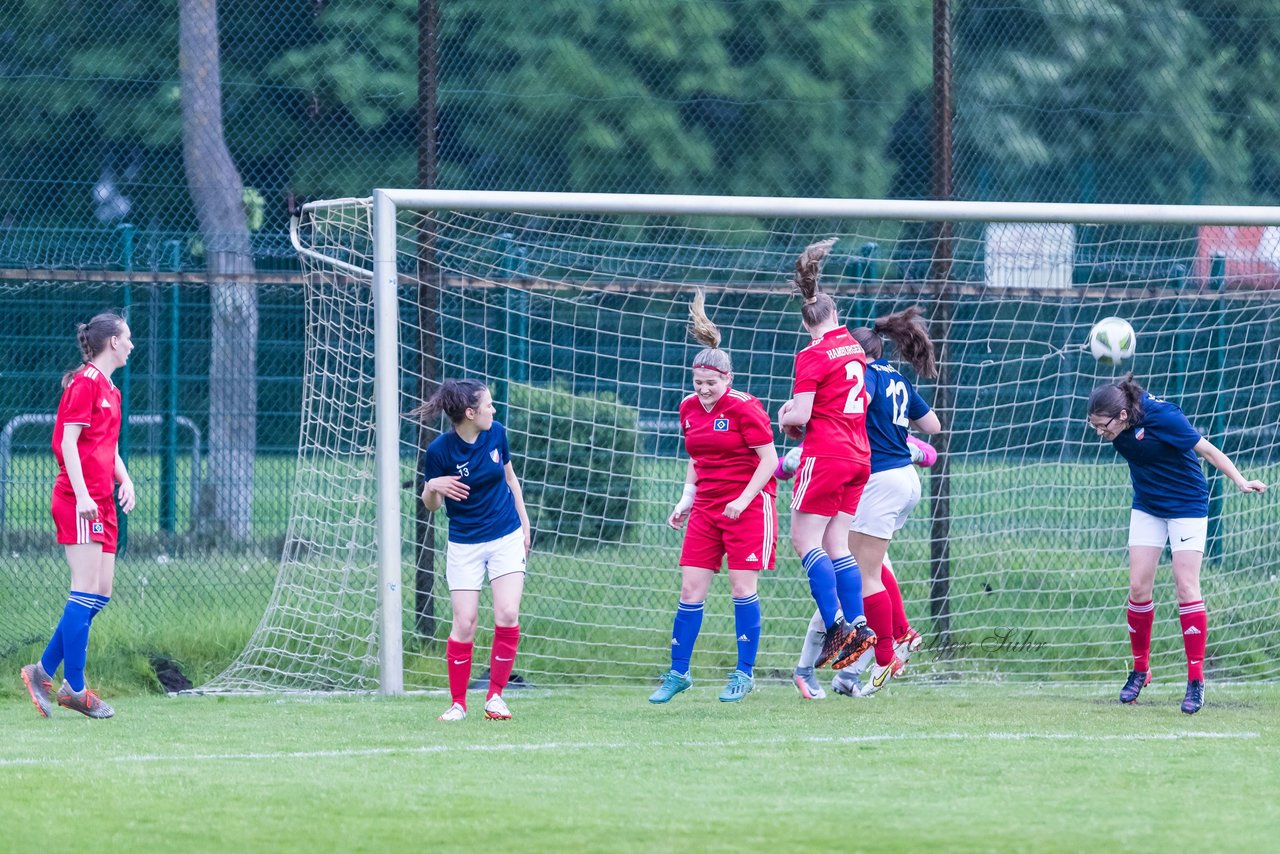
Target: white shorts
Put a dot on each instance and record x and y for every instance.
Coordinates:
(887, 501)
(466, 563)
(1183, 535)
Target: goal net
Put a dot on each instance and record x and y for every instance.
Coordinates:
(574, 310)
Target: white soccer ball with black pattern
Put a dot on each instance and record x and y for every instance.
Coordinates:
(1112, 340)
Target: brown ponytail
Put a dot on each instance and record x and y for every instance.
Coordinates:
(907, 331)
(1108, 401)
(93, 337)
(818, 307)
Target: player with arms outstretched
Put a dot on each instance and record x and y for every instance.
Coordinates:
(468, 470)
(86, 435)
(728, 503)
(828, 408)
(1170, 504)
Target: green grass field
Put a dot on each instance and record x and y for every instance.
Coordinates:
(962, 768)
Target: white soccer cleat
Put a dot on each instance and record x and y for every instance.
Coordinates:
(807, 684)
(454, 713)
(880, 674)
(904, 646)
(495, 709)
(846, 684)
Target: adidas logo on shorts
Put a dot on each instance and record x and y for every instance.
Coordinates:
(751, 558)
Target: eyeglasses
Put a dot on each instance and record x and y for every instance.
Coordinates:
(1101, 428)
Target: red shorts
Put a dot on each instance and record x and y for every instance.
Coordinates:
(748, 541)
(828, 485)
(73, 530)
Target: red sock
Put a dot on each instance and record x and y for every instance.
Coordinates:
(880, 619)
(503, 657)
(458, 659)
(1195, 631)
(1140, 617)
(900, 624)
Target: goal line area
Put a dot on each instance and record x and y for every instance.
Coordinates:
(574, 309)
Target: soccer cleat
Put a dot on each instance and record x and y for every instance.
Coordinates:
(495, 709)
(903, 647)
(807, 684)
(739, 686)
(1194, 700)
(40, 687)
(1138, 679)
(880, 675)
(85, 702)
(846, 683)
(456, 713)
(837, 636)
(859, 640)
(672, 683)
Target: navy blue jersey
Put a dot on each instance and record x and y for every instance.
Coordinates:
(489, 511)
(894, 405)
(1168, 480)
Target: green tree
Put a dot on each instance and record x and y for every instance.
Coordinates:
(218, 194)
(1093, 100)
(87, 93)
(1244, 36)
(790, 97)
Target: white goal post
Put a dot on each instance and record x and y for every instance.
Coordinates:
(493, 254)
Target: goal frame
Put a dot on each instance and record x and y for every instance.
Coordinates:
(387, 203)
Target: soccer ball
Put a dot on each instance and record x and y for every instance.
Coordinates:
(1112, 340)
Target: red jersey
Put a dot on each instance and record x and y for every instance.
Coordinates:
(721, 444)
(834, 370)
(90, 400)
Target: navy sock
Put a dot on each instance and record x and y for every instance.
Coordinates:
(684, 634)
(849, 587)
(746, 621)
(822, 584)
(74, 631)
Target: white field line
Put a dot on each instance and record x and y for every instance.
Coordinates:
(425, 749)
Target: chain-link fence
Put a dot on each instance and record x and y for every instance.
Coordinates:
(1165, 101)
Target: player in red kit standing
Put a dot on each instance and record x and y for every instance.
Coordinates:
(728, 503)
(85, 436)
(829, 410)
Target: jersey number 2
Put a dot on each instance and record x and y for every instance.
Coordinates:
(856, 372)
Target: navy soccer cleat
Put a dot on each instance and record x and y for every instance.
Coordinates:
(860, 639)
(1194, 700)
(837, 637)
(1138, 679)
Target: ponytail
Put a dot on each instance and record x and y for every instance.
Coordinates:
(453, 398)
(93, 338)
(818, 307)
(907, 331)
(1123, 395)
(706, 333)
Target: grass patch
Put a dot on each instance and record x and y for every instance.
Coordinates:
(980, 768)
